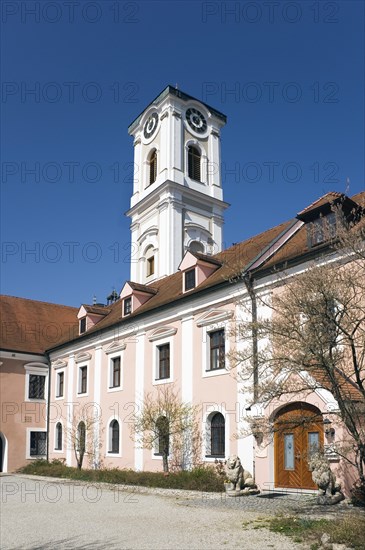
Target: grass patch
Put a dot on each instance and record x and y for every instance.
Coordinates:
(198, 479)
(348, 530)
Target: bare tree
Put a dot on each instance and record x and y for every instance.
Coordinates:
(84, 435)
(168, 426)
(313, 337)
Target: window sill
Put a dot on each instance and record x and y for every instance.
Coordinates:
(36, 399)
(159, 381)
(209, 373)
(214, 456)
(215, 370)
(115, 388)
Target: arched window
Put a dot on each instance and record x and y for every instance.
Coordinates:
(196, 246)
(81, 437)
(150, 261)
(162, 425)
(194, 157)
(58, 438)
(217, 435)
(153, 167)
(114, 436)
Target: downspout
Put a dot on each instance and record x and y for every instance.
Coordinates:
(48, 406)
(248, 280)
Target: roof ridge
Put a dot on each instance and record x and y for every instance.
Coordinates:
(37, 301)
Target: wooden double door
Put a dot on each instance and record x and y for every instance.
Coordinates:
(298, 434)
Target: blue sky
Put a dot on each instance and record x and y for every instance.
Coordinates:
(288, 75)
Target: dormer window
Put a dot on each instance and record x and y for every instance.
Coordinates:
(127, 305)
(190, 279)
(153, 167)
(82, 325)
(194, 157)
(322, 229)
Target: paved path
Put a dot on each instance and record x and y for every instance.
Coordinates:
(48, 514)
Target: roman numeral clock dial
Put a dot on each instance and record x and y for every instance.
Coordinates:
(196, 120)
(150, 125)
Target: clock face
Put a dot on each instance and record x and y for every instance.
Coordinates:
(196, 120)
(150, 125)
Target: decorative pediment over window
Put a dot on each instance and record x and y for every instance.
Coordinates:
(214, 316)
(161, 332)
(83, 356)
(59, 364)
(115, 346)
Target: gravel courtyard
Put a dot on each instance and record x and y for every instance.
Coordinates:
(38, 513)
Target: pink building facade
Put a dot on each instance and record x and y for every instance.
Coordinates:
(172, 324)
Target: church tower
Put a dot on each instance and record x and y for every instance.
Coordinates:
(177, 202)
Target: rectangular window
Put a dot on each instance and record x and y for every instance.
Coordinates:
(36, 386)
(313, 443)
(82, 325)
(38, 444)
(115, 373)
(83, 380)
(289, 452)
(322, 229)
(163, 362)
(127, 306)
(190, 279)
(217, 350)
(60, 381)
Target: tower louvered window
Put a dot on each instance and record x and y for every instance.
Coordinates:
(153, 167)
(194, 157)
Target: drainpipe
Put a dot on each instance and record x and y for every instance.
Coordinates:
(248, 280)
(48, 403)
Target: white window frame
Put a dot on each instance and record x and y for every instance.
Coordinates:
(206, 349)
(55, 437)
(79, 378)
(112, 356)
(203, 161)
(28, 456)
(195, 279)
(37, 369)
(206, 431)
(156, 363)
(59, 371)
(108, 438)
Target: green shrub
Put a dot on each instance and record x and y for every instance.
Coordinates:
(198, 479)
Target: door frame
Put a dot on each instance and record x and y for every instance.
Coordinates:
(4, 454)
(304, 409)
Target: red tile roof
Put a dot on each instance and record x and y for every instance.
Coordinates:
(30, 326)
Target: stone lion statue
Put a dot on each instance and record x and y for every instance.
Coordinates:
(322, 475)
(239, 477)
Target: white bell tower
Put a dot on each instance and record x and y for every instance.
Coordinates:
(177, 202)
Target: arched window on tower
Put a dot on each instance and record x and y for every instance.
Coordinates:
(196, 246)
(150, 261)
(194, 158)
(153, 167)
